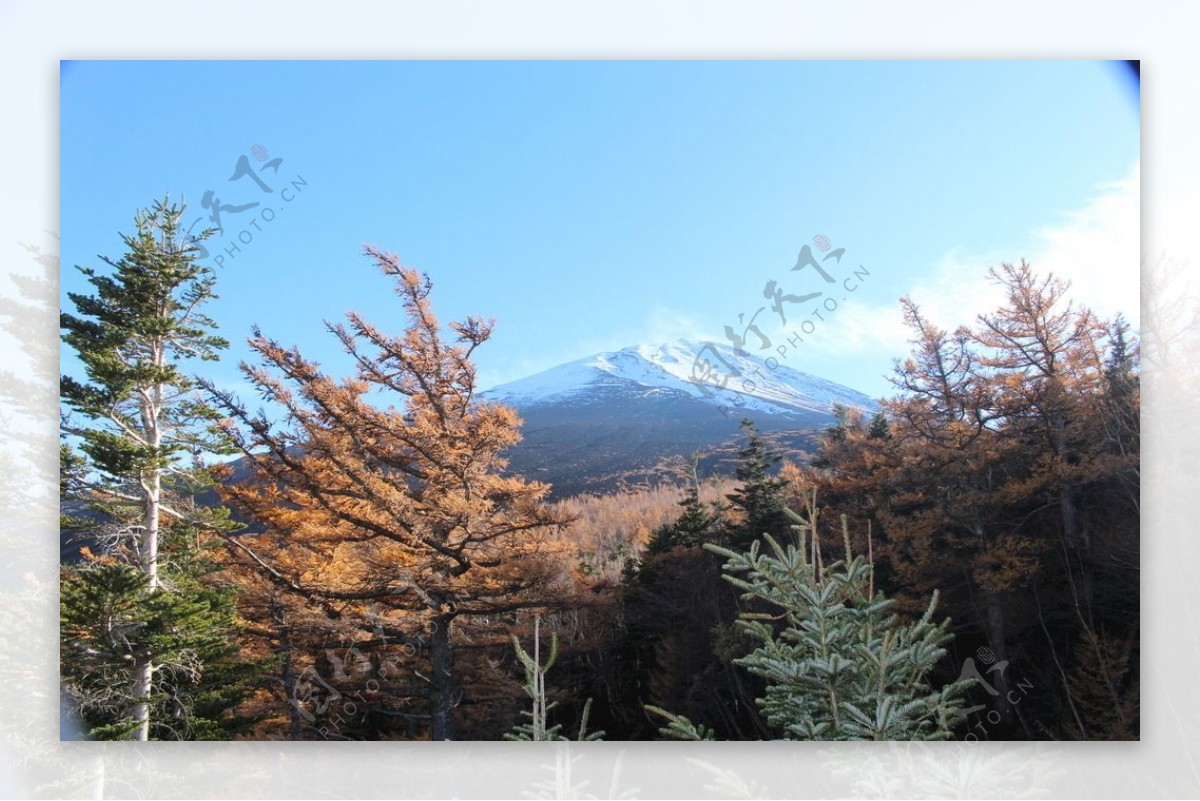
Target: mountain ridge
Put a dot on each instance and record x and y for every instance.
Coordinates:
(710, 372)
(615, 417)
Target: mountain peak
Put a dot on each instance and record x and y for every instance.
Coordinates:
(709, 372)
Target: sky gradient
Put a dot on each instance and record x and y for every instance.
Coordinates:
(589, 206)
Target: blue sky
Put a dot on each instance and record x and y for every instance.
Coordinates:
(592, 205)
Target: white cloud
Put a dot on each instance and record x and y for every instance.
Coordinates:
(1096, 247)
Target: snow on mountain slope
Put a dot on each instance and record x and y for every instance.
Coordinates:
(709, 372)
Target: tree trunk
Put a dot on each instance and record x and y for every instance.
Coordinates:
(143, 672)
(441, 658)
(288, 671)
(150, 532)
(151, 413)
(1078, 538)
(996, 638)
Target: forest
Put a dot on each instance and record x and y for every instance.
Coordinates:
(963, 564)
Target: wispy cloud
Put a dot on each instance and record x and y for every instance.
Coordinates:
(666, 324)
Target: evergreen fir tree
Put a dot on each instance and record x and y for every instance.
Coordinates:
(72, 478)
(680, 728)
(760, 496)
(880, 429)
(1122, 406)
(1121, 364)
(538, 728)
(186, 629)
(140, 625)
(698, 523)
(839, 665)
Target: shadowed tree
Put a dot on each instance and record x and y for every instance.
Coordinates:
(1066, 397)
(945, 519)
(1006, 474)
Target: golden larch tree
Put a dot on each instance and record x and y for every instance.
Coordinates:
(398, 501)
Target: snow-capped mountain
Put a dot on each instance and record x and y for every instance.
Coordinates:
(709, 372)
(592, 422)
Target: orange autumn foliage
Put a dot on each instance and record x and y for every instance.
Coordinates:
(400, 505)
